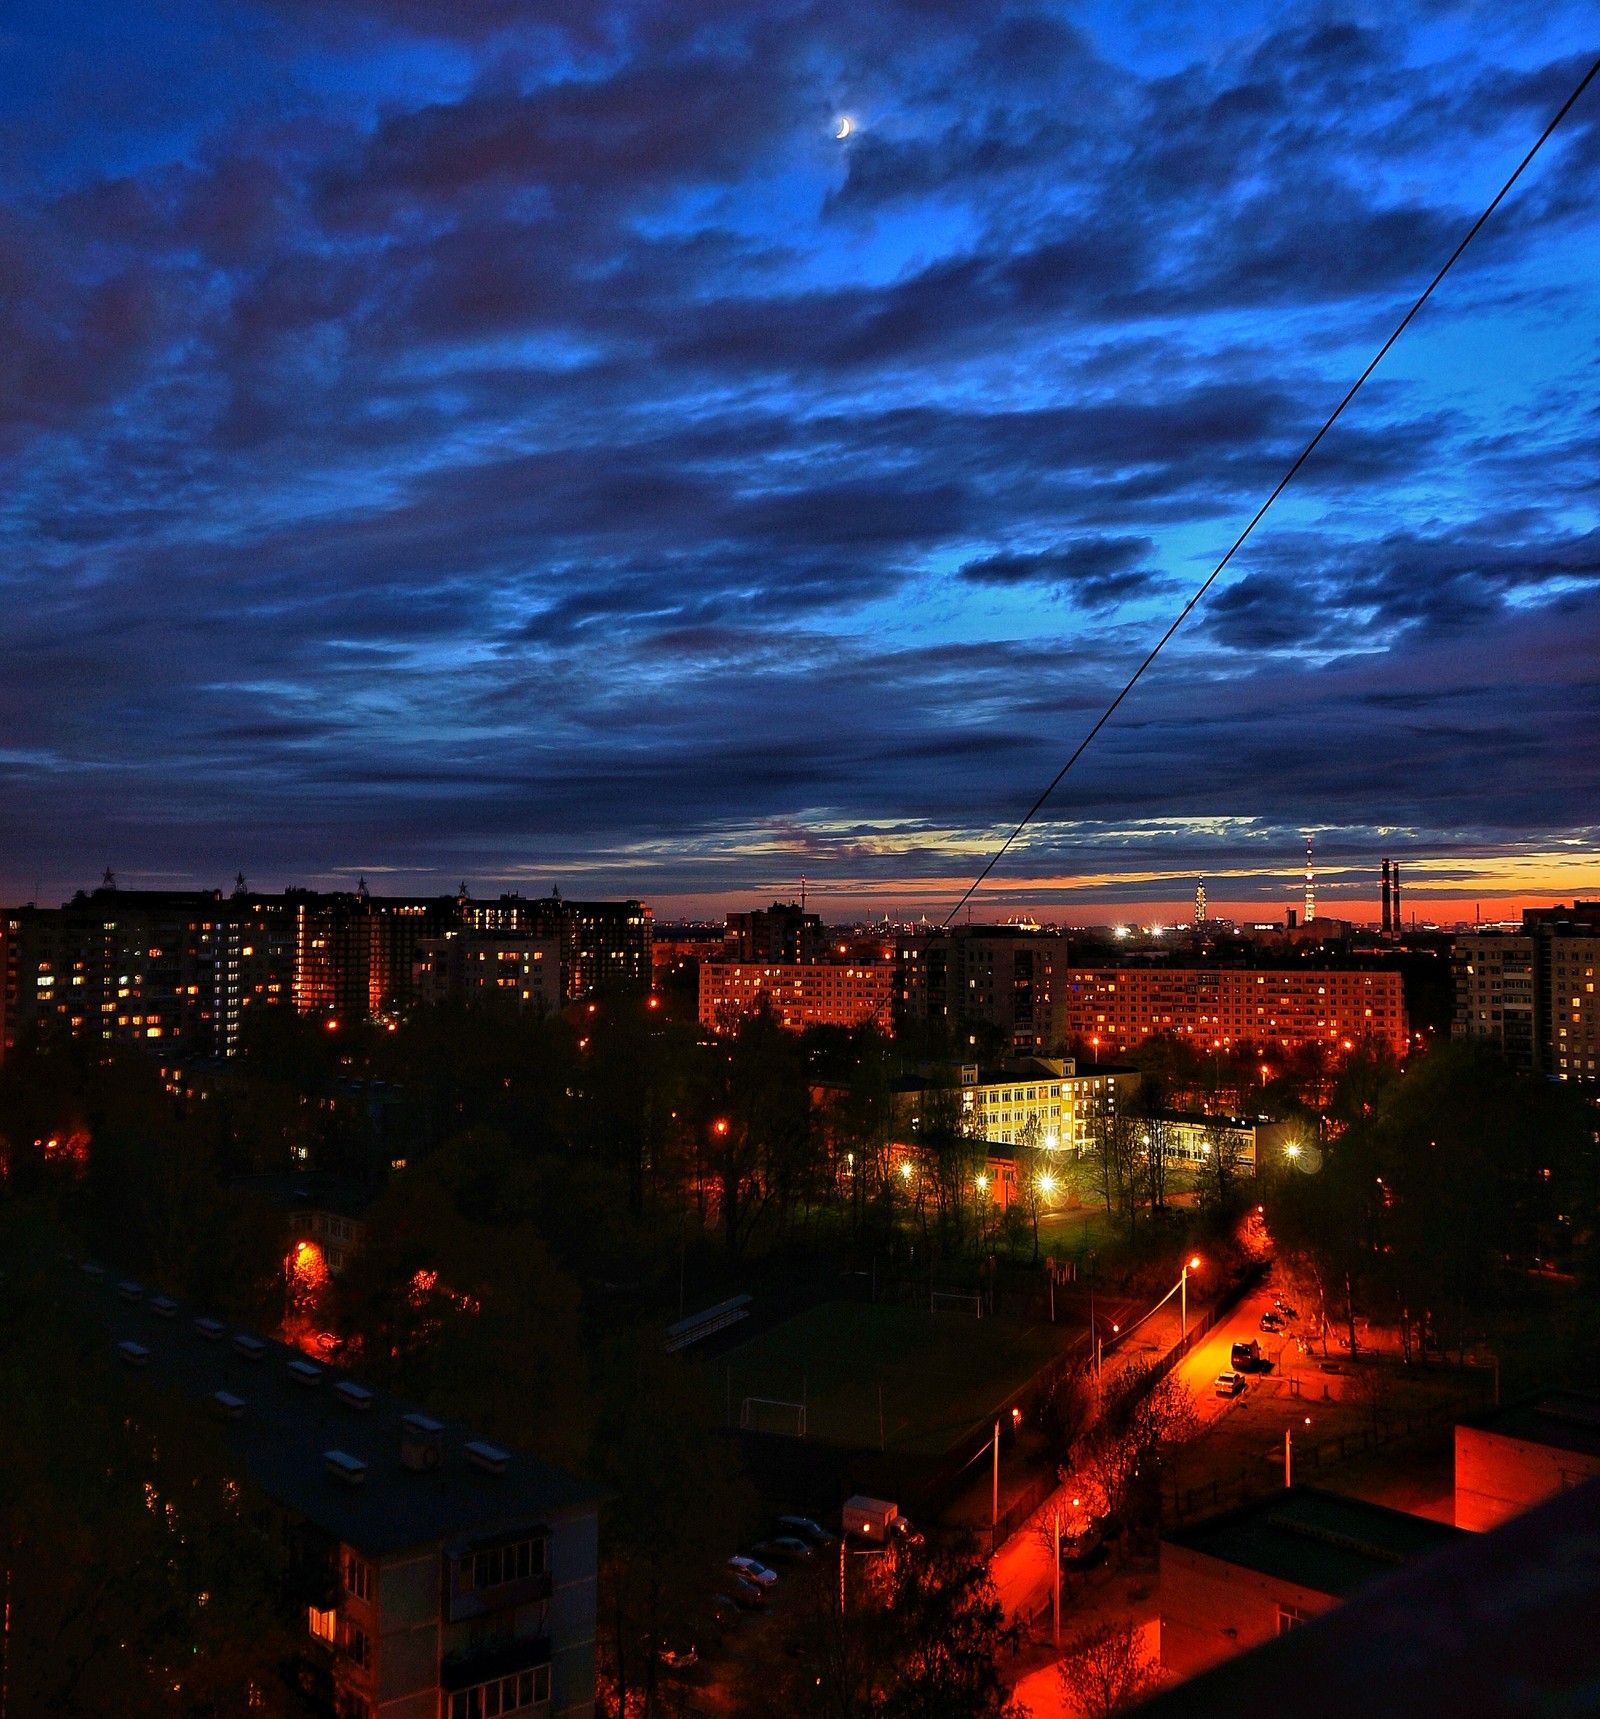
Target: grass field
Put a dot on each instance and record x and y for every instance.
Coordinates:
(940, 1374)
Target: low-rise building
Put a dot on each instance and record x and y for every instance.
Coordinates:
(441, 1577)
(1512, 1458)
(1042, 1101)
(1242, 1578)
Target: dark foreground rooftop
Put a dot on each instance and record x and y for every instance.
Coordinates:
(1563, 1420)
(1495, 1626)
(295, 1429)
(1317, 1540)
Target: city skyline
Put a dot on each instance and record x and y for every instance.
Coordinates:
(501, 447)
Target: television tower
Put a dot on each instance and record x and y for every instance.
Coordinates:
(1200, 904)
(1311, 886)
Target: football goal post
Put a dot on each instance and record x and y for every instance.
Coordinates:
(956, 1301)
(773, 1414)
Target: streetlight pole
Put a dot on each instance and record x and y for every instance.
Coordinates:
(1288, 1458)
(1183, 1289)
(994, 1519)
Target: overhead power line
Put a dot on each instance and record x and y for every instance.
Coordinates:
(1283, 483)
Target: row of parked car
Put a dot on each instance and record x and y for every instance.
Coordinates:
(1248, 1357)
(752, 1576)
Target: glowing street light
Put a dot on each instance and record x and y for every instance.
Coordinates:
(1183, 1283)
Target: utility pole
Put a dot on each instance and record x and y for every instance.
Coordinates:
(1288, 1458)
(994, 1518)
(1055, 1632)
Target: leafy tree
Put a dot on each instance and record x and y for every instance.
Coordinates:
(134, 1577)
(1106, 1670)
(951, 1633)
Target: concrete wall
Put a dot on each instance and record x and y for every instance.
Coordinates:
(1211, 1610)
(1499, 1477)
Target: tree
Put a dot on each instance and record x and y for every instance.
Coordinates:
(950, 1633)
(135, 1580)
(680, 1503)
(1145, 1420)
(1222, 1168)
(1106, 1670)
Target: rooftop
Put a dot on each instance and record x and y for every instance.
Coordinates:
(1317, 1540)
(1497, 1625)
(293, 1424)
(1563, 1420)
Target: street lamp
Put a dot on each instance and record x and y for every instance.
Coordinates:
(1183, 1285)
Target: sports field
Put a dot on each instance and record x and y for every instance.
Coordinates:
(940, 1374)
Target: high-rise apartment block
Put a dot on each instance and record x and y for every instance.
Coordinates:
(181, 971)
(605, 945)
(1532, 994)
(1002, 976)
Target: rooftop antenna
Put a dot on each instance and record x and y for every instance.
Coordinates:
(239, 885)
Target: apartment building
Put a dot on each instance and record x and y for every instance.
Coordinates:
(520, 972)
(605, 945)
(1114, 1008)
(1532, 994)
(798, 993)
(440, 1576)
(1001, 976)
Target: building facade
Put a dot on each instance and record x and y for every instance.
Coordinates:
(775, 936)
(605, 945)
(1242, 1578)
(439, 1576)
(799, 994)
(182, 971)
(486, 967)
(1510, 1459)
(1114, 1008)
(1531, 995)
(1000, 976)
(1044, 1101)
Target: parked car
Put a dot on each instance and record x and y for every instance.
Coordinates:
(804, 1528)
(1230, 1384)
(751, 1571)
(1271, 1322)
(785, 1546)
(901, 1529)
(1083, 1542)
(678, 1655)
(724, 1612)
(747, 1596)
(1285, 1309)
(1247, 1358)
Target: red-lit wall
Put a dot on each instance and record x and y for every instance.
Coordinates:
(1211, 1610)
(1499, 1477)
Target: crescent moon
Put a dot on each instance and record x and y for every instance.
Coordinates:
(846, 126)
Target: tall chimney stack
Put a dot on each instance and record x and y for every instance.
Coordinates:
(1388, 920)
(1399, 922)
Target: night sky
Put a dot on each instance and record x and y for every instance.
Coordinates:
(537, 448)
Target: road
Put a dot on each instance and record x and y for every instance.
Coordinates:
(1022, 1567)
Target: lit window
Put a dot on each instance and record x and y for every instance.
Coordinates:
(323, 1623)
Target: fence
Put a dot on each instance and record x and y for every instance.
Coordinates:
(1017, 1514)
(1251, 1482)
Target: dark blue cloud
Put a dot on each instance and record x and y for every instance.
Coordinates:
(488, 437)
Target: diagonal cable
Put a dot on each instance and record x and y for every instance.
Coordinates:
(1283, 483)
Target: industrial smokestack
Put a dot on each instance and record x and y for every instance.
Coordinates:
(1388, 921)
(1399, 922)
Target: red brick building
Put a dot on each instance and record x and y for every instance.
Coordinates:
(799, 993)
(1117, 1008)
